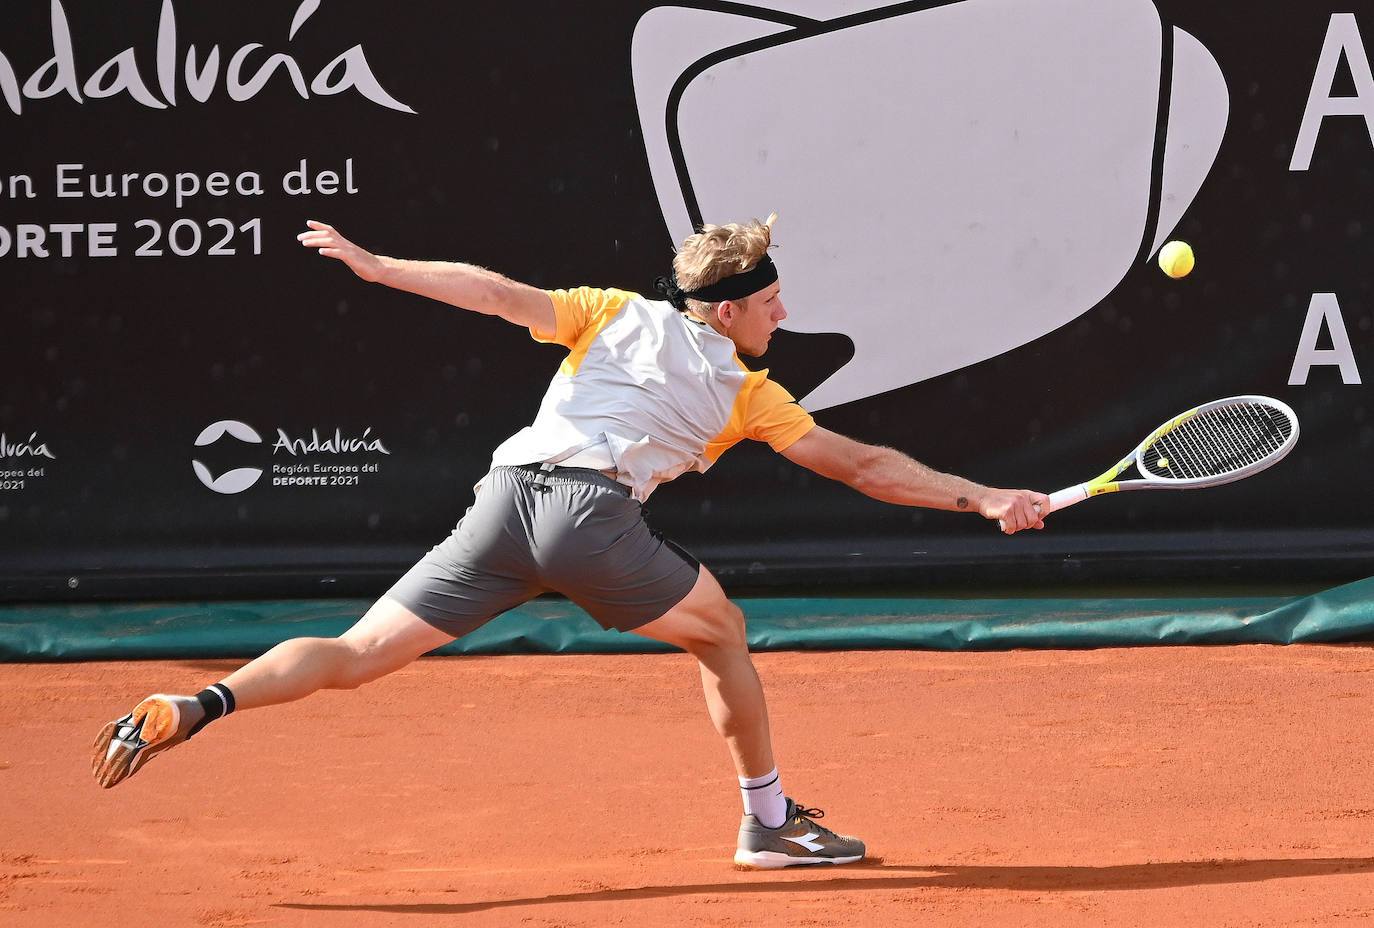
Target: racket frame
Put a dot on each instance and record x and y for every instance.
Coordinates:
(1106, 482)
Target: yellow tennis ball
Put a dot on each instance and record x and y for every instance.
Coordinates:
(1176, 259)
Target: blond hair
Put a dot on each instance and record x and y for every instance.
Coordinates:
(717, 252)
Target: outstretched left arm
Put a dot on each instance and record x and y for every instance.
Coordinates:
(888, 475)
(463, 285)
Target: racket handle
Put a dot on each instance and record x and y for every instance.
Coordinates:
(1059, 499)
(1062, 499)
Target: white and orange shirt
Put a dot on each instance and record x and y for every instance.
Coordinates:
(648, 393)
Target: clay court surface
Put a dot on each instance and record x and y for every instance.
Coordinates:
(1171, 786)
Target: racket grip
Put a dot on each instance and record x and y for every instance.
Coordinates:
(1062, 499)
(1059, 499)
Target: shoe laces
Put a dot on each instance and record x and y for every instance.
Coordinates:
(811, 815)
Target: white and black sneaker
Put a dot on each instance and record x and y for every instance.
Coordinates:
(798, 842)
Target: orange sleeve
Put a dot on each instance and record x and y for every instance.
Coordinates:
(764, 411)
(580, 310)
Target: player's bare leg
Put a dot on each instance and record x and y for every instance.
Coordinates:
(387, 638)
(711, 628)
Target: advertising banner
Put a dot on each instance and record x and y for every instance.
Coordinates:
(972, 200)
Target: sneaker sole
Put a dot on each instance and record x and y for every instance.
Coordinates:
(153, 721)
(775, 860)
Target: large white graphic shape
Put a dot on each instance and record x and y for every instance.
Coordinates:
(953, 182)
(668, 40)
(1198, 108)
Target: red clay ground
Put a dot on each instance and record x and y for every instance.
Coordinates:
(1146, 787)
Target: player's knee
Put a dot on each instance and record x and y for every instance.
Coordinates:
(721, 629)
(732, 626)
(362, 662)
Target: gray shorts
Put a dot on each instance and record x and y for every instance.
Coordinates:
(574, 531)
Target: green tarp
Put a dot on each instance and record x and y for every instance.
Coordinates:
(245, 629)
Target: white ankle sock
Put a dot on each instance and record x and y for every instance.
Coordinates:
(763, 798)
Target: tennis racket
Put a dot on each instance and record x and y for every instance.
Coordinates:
(1212, 444)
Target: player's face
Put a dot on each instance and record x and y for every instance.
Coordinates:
(756, 318)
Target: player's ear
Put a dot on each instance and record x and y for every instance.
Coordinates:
(726, 311)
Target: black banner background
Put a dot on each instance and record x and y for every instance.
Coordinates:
(525, 155)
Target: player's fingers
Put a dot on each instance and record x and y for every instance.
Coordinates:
(1024, 510)
(1025, 516)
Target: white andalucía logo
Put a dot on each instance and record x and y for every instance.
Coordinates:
(331, 445)
(955, 180)
(231, 481)
(246, 72)
(31, 447)
(338, 443)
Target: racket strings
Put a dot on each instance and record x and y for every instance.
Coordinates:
(1218, 441)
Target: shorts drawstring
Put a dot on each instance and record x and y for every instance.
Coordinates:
(540, 483)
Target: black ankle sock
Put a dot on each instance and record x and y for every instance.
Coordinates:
(217, 700)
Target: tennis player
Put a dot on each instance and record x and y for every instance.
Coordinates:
(651, 388)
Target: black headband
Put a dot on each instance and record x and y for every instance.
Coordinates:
(734, 287)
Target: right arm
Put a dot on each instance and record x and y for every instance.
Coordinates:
(463, 285)
(888, 475)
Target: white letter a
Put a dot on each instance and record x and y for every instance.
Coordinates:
(1342, 36)
(1323, 309)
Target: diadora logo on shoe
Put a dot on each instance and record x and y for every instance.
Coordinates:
(350, 457)
(954, 180)
(807, 841)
